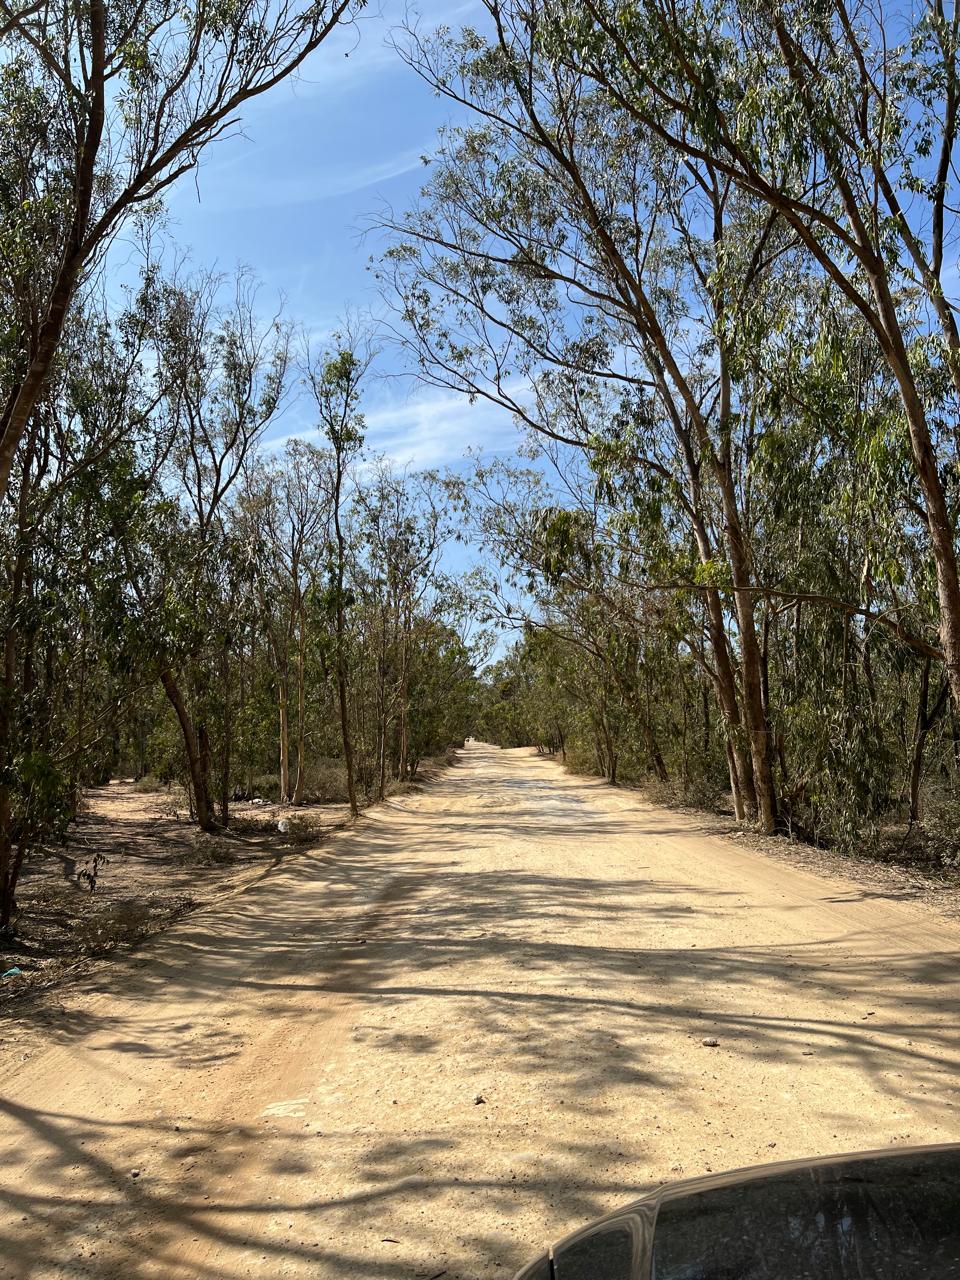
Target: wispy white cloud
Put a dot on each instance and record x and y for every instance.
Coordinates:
(243, 188)
(275, 162)
(358, 53)
(430, 428)
(435, 428)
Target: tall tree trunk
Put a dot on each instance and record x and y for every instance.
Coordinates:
(598, 748)
(242, 707)
(347, 741)
(8, 885)
(7, 858)
(12, 848)
(610, 771)
(341, 628)
(403, 766)
(751, 665)
(301, 782)
(941, 532)
(382, 712)
(725, 681)
(919, 739)
(226, 744)
(206, 767)
(705, 705)
(403, 749)
(940, 526)
(282, 695)
(381, 759)
(25, 394)
(653, 750)
(248, 762)
(925, 721)
(197, 752)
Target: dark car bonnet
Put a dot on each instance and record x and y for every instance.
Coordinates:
(873, 1216)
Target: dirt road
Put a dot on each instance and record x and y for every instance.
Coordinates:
(463, 1028)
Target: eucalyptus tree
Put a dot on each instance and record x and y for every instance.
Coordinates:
(655, 201)
(442, 686)
(286, 512)
(841, 120)
(550, 699)
(67, 673)
(335, 379)
(401, 528)
(830, 495)
(572, 580)
(608, 295)
(224, 372)
(104, 107)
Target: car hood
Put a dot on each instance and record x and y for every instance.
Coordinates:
(875, 1215)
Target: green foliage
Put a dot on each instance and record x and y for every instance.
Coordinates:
(699, 253)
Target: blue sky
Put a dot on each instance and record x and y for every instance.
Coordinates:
(289, 198)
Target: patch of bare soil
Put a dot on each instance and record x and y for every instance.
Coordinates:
(918, 881)
(133, 863)
(895, 861)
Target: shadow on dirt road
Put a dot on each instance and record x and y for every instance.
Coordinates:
(463, 1028)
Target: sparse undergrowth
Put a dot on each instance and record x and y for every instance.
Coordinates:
(134, 864)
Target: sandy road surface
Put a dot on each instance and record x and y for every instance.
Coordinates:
(298, 1102)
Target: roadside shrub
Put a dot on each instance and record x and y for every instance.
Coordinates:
(581, 758)
(327, 782)
(114, 924)
(267, 785)
(941, 827)
(149, 784)
(697, 793)
(209, 850)
(301, 829)
(397, 788)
